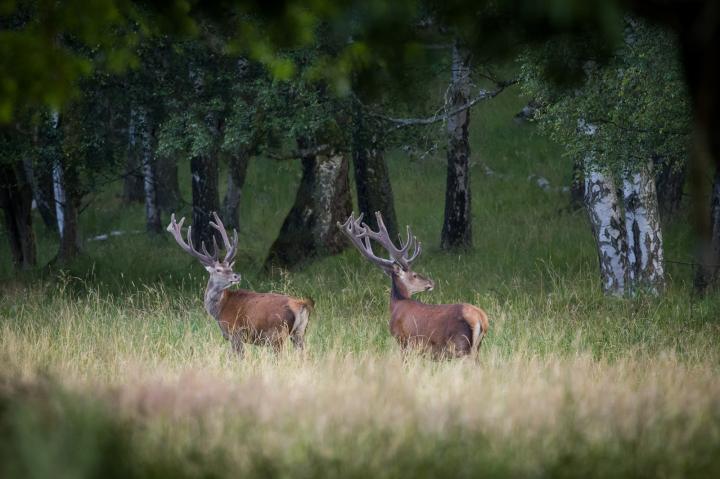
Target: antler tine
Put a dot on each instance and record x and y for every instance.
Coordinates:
(358, 234)
(175, 229)
(411, 242)
(230, 248)
(383, 237)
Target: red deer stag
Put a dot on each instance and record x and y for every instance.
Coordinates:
(244, 316)
(446, 330)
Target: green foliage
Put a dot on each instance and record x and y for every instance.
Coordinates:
(47, 47)
(636, 102)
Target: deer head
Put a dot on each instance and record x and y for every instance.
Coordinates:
(399, 265)
(221, 272)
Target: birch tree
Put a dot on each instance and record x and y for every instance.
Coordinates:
(153, 223)
(634, 119)
(133, 188)
(457, 223)
(646, 266)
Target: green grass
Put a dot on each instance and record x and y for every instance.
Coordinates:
(111, 366)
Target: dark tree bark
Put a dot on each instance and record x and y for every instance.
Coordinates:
(323, 199)
(669, 181)
(133, 185)
(42, 189)
(645, 253)
(67, 200)
(372, 178)
(66, 192)
(457, 226)
(16, 203)
(709, 270)
(205, 197)
(577, 186)
(153, 223)
(237, 171)
(167, 184)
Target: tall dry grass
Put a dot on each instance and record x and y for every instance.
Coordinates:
(152, 369)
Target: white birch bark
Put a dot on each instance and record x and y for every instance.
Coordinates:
(152, 213)
(603, 209)
(58, 182)
(646, 267)
(457, 223)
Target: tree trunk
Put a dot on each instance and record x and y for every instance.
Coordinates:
(603, 207)
(66, 202)
(323, 199)
(153, 223)
(66, 192)
(457, 226)
(205, 197)
(669, 180)
(577, 186)
(709, 269)
(16, 202)
(133, 184)
(645, 264)
(372, 179)
(42, 189)
(237, 170)
(167, 184)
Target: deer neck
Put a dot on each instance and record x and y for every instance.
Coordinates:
(398, 291)
(213, 299)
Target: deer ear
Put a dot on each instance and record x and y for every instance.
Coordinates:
(396, 268)
(209, 269)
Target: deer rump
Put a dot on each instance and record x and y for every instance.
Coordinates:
(262, 318)
(444, 330)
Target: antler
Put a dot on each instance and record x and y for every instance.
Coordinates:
(175, 229)
(230, 248)
(361, 234)
(356, 231)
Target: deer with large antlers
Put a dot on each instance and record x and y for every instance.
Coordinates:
(244, 316)
(446, 330)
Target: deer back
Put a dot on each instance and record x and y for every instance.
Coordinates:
(259, 314)
(454, 329)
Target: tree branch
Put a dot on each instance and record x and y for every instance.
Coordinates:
(482, 95)
(303, 153)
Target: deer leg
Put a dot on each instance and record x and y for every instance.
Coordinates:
(237, 344)
(297, 335)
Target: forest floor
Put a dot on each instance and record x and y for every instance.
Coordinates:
(110, 367)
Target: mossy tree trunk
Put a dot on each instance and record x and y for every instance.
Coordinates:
(323, 199)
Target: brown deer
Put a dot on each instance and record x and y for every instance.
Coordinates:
(445, 330)
(244, 316)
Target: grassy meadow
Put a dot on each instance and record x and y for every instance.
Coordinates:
(111, 367)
